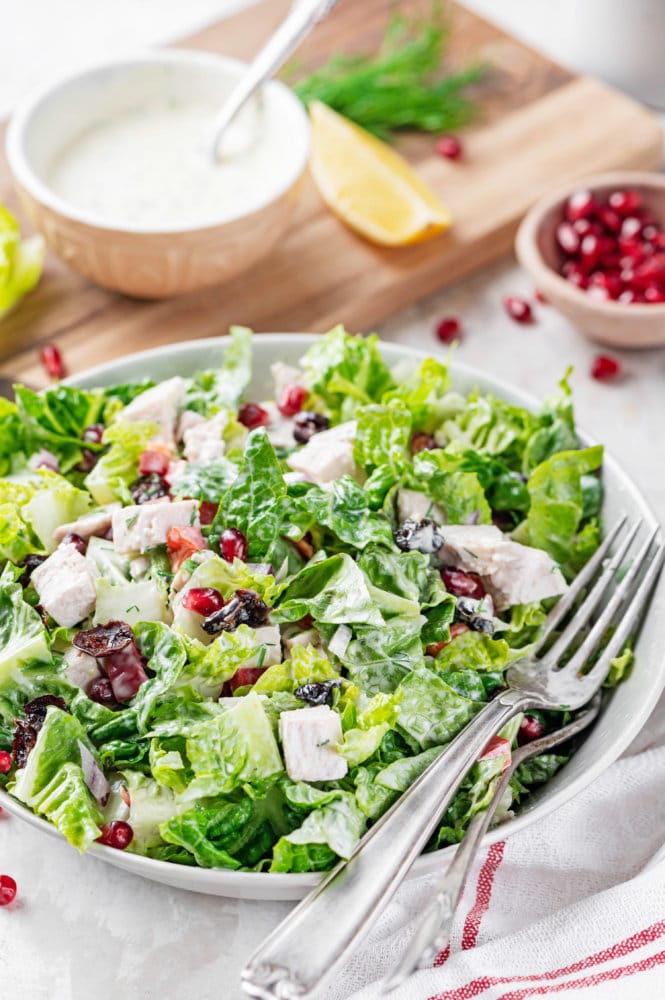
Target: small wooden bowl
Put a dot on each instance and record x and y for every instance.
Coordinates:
(615, 324)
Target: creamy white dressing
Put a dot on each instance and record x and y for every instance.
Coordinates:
(148, 166)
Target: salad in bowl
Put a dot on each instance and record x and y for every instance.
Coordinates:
(234, 630)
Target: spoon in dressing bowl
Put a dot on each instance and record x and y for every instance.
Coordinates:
(298, 23)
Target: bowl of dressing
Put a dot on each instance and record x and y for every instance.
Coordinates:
(112, 166)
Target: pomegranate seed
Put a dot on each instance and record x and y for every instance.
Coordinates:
(610, 219)
(462, 584)
(539, 297)
(590, 250)
(118, 834)
(585, 226)
(631, 227)
(51, 359)
(5, 762)
(101, 691)
(518, 309)
(154, 461)
(252, 415)
(449, 329)
(71, 538)
(574, 273)
(292, 400)
(605, 368)
(207, 511)
(449, 146)
(651, 270)
(203, 600)
(7, 890)
(93, 434)
(531, 728)
(567, 238)
(421, 441)
(624, 202)
(627, 296)
(245, 677)
(232, 545)
(580, 205)
(654, 294)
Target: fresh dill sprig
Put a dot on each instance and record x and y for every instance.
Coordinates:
(401, 87)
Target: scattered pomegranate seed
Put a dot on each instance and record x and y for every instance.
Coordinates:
(449, 329)
(154, 460)
(449, 146)
(71, 538)
(605, 368)
(93, 434)
(531, 728)
(580, 205)
(118, 834)
(7, 890)
(292, 400)
(421, 441)
(232, 545)
(252, 415)
(207, 511)
(5, 762)
(203, 600)
(52, 361)
(518, 309)
(539, 297)
(624, 202)
(463, 584)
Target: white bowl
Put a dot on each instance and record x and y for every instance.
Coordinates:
(157, 260)
(622, 718)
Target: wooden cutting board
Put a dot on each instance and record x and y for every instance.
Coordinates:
(540, 126)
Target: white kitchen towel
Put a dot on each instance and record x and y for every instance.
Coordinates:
(574, 906)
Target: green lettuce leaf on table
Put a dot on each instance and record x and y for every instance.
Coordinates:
(21, 262)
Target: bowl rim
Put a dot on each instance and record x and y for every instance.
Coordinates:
(529, 254)
(281, 885)
(25, 176)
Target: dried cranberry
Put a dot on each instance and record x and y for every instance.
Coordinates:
(233, 545)
(101, 691)
(7, 890)
(93, 434)
(125, 670)
(88, 461)
(244, 608)
(292, 400)
(531, 728)
(153, 461)
(27, 728)
(307, 423)
(203, 600)
(71, 538)
(117, 833)
(317, 692)
(605, 368)
(31, 562)
(208, 511)
(449, 146)
(449, 329)
(245, 677)
(103, 640)
(52, 361)
(463, 584)
(252, 415)
(6, 762)
(150, 487)
(420, 441)
(423, 535)
(518, 309)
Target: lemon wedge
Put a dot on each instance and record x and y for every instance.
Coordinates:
(370, 186)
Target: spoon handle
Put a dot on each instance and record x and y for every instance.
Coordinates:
(298, 23)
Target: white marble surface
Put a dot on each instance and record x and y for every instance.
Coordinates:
(80, 930)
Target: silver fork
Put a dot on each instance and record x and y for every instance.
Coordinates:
(433, 929)
(304, 952)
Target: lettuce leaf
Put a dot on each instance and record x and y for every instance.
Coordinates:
(346, 371)
(119, 466)
(305, 665)
(459, 492)
(332, 591)
(425, 395)
(344, 511)
(327, 833)
(431, 712)
(382, 438)
(378, 658)
(56, 418)
(23, 638)
(21, 261)
(222, 388)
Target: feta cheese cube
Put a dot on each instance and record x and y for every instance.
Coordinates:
(309, 736)
(327, 456)
(160, 405)
(139, 528)
(65, 583)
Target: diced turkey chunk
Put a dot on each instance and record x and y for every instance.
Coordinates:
(80, 668)
(513, 573)
(310, 637)
(269, 636)
(412, 505)
(203, 442)
(137, 529)
(279, 428)
(188, 419)
(327, 456)
(309, 736)
(97, 523)
(65, 583)
(160, 405)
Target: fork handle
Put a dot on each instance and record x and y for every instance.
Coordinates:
(303, 953)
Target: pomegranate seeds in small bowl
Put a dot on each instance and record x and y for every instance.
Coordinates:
(596, 251)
